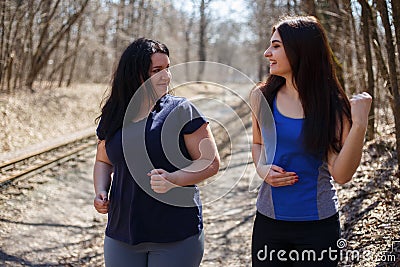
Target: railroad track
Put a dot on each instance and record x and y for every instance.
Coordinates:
(45, 158)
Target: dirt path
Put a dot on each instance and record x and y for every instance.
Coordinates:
(48, 219)
(229, 220)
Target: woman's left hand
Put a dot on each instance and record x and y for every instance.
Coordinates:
(159, 181)
(360, 106)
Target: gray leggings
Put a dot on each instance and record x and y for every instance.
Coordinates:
(185, 253)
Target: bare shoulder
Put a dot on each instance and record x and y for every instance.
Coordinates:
(256, 98)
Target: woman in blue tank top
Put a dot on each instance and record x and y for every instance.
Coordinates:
(306, 134)
(153, 149)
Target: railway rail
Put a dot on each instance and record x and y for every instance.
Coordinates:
(45, 158)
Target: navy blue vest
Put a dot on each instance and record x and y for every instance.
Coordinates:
(137, 214)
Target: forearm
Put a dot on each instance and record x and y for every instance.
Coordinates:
(196, 172)
(102, 176)
(349, 157)
(260, 164)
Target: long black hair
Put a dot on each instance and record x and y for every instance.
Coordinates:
(323, 99)
(132, 71)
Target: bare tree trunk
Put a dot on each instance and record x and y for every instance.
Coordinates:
(2, 40)
(296, 6)
(382, 69)
(64, 62)
(188, 30)
(91, 57)
(334, 22)
(8, 54)
(140, 11)
(260, 10)
(147, 19)
(89, 63)
(202, 39)
(383, 10)
(348, 53)
(262, 42)
(76, 53)
(16, 51)
(103, 61)
(23, 43)
(18, 42)
(15, 45)
(365, 25)
(261, 62)
(131, 14)
(396, 23)
(309, 7)
(9, 73)
(288, 6)
(118, 26)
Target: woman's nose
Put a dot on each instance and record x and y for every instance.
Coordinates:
(267, 53)
(165, 74)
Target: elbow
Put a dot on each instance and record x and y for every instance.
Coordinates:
(215, 166)
(342, 174)
(342, 179)
(259, 171)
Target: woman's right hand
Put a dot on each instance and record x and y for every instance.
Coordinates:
(277, 176)
(360, 106)
(101, 202)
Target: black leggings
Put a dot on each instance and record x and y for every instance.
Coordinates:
(278, 243)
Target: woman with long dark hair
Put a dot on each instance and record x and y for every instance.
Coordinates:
(313, 136)
(153, 149)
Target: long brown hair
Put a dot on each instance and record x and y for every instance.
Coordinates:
(323, 99)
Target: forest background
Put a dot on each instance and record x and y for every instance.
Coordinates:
(57, 58)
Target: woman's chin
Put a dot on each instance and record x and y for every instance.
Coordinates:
(162, 90)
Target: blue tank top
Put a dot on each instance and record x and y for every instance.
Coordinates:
(136, 213)
(314, 196)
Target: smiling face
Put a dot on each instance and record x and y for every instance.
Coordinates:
(160, 76)
(279, 63)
